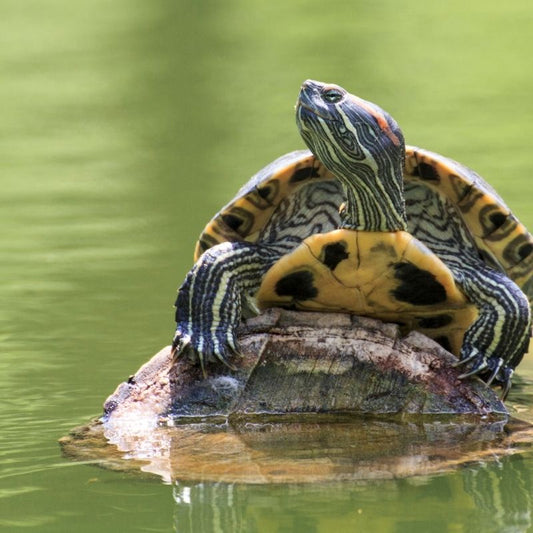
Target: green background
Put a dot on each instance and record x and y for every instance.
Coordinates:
(124, 126)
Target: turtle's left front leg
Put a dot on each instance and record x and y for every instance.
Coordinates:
(497, 340)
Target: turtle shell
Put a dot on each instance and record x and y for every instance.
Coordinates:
(247, 215)
(501, 240)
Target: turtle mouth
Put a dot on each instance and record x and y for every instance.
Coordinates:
(309, 109)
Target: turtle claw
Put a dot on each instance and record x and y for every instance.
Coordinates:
(205, 347)
(498, 365)
(506, 382)
(222, 356)
(489, 369)
(478, 360)
(502, 374)
(180, 345)
(234, 347)
(202, 364)
(222, 346)
(462, 362)
(476, 370)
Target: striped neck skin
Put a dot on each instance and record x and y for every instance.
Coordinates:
(364, 148)
(368, 208)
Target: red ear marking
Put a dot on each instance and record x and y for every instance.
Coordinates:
(380, 119)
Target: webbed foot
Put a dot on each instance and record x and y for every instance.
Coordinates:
(205, 348)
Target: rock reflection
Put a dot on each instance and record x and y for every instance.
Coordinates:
(323, 475)
(298, 452)
(494, 497)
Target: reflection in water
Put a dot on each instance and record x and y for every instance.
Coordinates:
(395, 476)
(485, 497)
(271, 453)
(502, 493)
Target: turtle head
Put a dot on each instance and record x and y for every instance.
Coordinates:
(363, 146)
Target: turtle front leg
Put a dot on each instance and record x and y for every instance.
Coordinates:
(497, 340)
(210, 300)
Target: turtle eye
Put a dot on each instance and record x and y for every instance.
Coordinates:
(332, 96)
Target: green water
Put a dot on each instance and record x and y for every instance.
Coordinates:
(124, 126)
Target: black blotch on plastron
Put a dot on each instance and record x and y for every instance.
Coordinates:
(436, 321)
(333, 254)
(232, 221)
(497, 219)
(525, 250)
(417, 286)
(304, 173)
(444, 342)
(426, 172)
(298, 285)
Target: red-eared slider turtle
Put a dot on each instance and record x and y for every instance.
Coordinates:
(419, 240)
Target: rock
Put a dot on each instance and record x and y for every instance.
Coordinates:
(297, 363)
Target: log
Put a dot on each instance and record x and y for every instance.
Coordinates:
(299, 364)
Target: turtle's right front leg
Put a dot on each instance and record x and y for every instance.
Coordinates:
(210, 300)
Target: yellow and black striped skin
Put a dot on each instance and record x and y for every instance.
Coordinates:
(368, 289)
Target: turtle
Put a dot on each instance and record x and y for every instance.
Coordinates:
(363, 224)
